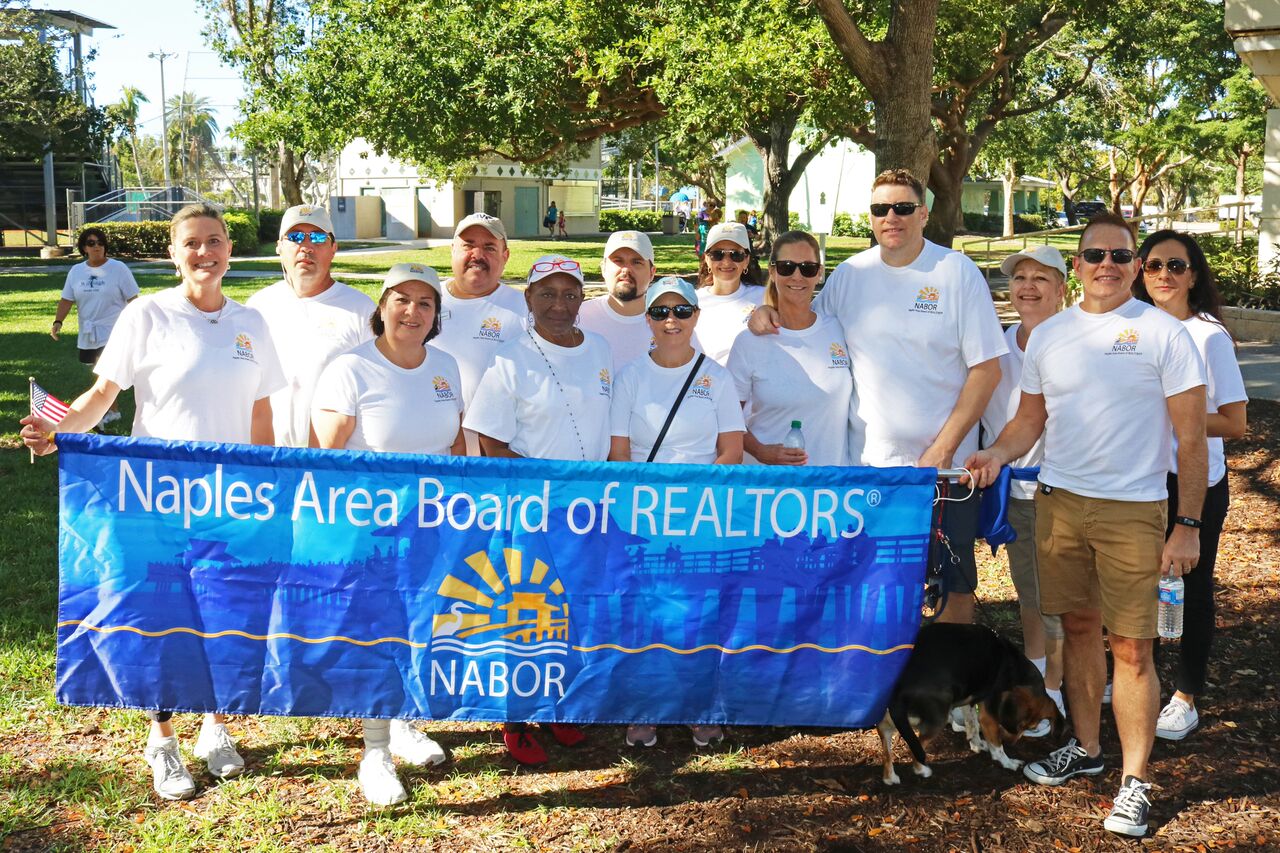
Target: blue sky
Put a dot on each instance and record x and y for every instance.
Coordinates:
(148, 26)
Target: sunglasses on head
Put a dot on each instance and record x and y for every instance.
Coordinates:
(681, 312)
(549, 266)
(317, 238)
(808, 269)
(1176, 266)
(735, 255)
(1096, 256)
(902, 208)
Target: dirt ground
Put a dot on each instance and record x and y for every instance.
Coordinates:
(806, 790)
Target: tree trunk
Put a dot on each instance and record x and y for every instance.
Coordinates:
(137, 161)
(1115, 182)
(1068, 197)
(780, 174)
(291, 167)
(946, 213)
(1009, 180)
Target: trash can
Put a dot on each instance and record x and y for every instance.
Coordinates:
(669, 224)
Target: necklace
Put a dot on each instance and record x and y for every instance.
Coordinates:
(564, 395)
(205, 314)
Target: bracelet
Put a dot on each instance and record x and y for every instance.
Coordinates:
(1187, 521)
(57, 323)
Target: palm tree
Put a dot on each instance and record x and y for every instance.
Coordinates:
(125, 113)
(191, 121)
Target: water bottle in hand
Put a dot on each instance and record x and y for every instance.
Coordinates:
(795, 438)
(1172, 595)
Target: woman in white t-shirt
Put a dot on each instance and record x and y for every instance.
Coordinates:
(802, 373)
(727, 292)
(202, 368)
(1176, 277)
(707, 425)
(98, 288)
(546, 395)
(394, 394)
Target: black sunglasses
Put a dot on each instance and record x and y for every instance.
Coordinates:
(661, 312)
(91, 243)
(808, 269)
(902, 208)
(1096, 256)
(318, 238)
(736, 255)
(1176, 266)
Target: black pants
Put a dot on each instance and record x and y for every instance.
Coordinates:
(1198, 613)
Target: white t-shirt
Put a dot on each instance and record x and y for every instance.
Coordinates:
(396, 410)
(472, 330)
(192, 380)
(628, 337)
(722, 318)
(1105, 378)
(913, 333)
(308, 333)
(100, 294)
(797, 375)
(1004, 405)
(1224, 385)
(642, 400)
(520, 402)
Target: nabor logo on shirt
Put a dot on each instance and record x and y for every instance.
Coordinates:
(1126, 342)
(93, 282)
(926, 301)
(244, 347)
(702, 387)
(839, 358)
(443, 391)
(491, 328)
(606, 382)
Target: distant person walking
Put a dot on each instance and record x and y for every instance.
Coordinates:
(561, 228)
(549, 221)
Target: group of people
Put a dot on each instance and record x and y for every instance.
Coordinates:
(897, 361)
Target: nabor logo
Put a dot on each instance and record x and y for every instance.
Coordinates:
(702, 386)
(839, 357)
(927, 294)
(244, 347)
(1126, 341)
(443, 391)
(606, 381)
(926, 301)
(491, 327)
(492, 615)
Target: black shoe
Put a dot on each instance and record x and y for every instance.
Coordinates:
(1062, 764)
(1129, 811)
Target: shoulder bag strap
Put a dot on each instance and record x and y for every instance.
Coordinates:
(671, 415)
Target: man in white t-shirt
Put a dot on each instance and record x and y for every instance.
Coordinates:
(478, 313)
(1109, 382)
(311, 317)
(924, 347)
(618, 316)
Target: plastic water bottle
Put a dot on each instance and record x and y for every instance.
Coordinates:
(1172, 595)
(795, 438)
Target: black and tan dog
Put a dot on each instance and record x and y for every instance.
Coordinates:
(960, 666)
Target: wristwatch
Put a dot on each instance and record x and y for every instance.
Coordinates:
(1187, 521)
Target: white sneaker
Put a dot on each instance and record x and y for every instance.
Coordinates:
(218, 751)
(413, 746)
(1040, 729)
(378, 780)
(956, 717)
(642, 734)
(1177, 720)
(169, 776)
(1056, 696)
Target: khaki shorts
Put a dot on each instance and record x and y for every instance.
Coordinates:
(1100, 554)
(1023, 564)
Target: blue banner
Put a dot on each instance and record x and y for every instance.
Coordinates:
(254, 580)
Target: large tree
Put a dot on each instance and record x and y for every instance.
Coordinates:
(124, 114)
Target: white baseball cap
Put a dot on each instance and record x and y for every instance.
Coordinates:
(734, 232)
(400, 273)
(549, 265)
(305, 214)
(492, 224)
(636, 240)
(1046, 255)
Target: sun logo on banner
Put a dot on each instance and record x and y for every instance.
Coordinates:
(509, 612)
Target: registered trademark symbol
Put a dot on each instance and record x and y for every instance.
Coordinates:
(873, 497)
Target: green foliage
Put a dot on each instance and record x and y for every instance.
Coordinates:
(1239, 279)
(633, 220)
(794, 223)
(844, 225)
(1023, 223)
(136, 239)
(40, 110)
(269, 224)
(242, 229)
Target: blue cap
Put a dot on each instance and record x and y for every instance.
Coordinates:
(670, 284)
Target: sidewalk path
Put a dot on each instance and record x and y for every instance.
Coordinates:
(1260, 364)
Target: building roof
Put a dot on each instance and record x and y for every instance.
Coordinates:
(63, 19)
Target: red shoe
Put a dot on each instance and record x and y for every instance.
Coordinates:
(565, 734)
(523, 747)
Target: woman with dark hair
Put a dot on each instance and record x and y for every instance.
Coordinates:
(727, 292)
(1176, 277)
(99, 287)
(394, 394)
(800, 374)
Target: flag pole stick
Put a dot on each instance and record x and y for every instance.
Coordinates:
(31, 398)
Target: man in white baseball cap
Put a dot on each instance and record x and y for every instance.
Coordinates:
(618, 315)
(478, 313)
(311, 317)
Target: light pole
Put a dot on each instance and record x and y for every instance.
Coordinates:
(164, 119)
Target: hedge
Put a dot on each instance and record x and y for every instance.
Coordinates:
(269, 224)
(242, 228)
(630, 220)
(845, 225)
(151, 239)
(980, 223)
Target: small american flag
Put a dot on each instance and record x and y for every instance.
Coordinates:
(45, 405)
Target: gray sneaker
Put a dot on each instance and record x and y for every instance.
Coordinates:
(169, 776)
(1129, 810)
(218, 750)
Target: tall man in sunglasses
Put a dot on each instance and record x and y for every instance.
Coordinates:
(1110, 382)
(924, 347)
(311, 317)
